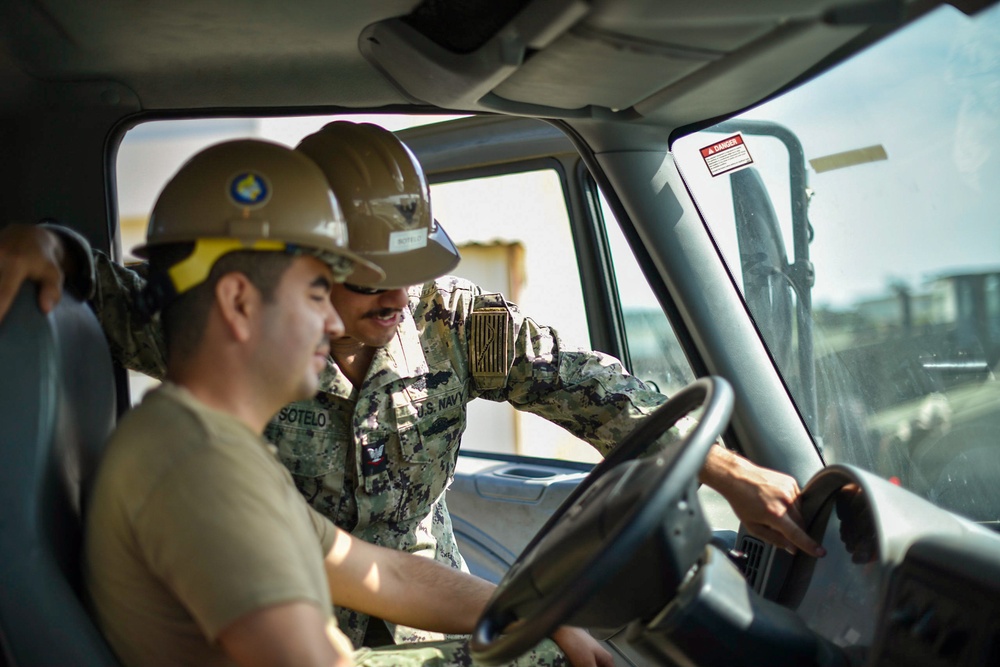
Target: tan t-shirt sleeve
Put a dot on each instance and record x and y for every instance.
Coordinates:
(326, 531)
(230, 535)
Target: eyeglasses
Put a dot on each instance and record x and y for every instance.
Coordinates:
(368, 291)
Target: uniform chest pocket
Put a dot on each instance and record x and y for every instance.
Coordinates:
(431, 428)
(309, 439)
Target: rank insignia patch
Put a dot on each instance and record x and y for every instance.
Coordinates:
(375, 459)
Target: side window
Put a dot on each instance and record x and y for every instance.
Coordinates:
(514, 234)
(655, 353)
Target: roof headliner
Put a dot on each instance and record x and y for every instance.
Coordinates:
(668, 62)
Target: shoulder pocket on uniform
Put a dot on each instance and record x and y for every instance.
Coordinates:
(491, 332)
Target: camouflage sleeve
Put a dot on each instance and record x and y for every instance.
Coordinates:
(135, 341)
(590, 394)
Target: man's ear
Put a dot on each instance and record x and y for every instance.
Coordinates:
(238, 301)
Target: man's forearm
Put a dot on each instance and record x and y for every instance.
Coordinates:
(718, 468)
(765, 501)
(403, 588)
(445, 599)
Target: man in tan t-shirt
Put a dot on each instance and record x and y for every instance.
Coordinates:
(198, 548)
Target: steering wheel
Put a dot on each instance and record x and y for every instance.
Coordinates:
(619, 546)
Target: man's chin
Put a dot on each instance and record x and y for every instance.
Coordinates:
(306, 394)
(307, 388)
(378, 336)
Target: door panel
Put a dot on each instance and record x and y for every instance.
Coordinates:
(498, 506)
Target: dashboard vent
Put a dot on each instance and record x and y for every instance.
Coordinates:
(754, 551)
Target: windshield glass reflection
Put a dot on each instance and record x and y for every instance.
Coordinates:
(859, 218)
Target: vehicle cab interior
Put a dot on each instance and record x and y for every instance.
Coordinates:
(781, 214)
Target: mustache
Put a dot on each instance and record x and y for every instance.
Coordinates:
(382, 312)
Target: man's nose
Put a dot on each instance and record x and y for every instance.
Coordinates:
(334, 325)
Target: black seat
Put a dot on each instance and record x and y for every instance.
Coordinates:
(57, 407)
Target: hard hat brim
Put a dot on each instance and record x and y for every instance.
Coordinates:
(414, 267)
(363, 269)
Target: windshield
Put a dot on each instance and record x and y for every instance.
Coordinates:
(859, 215)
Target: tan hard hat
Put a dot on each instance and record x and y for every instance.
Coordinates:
(250, 194)
(386, 201)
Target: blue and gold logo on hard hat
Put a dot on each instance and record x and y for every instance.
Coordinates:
(249, 188)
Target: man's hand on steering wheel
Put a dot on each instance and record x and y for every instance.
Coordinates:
(581, 649)
(765, 501)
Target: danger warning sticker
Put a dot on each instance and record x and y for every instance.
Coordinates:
(727, 155)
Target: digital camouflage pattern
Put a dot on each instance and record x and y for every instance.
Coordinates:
(378, 459)
(450, 653)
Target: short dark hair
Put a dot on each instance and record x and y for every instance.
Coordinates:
(184, 318)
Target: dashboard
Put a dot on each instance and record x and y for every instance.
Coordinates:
(837, 595)
(903, 583)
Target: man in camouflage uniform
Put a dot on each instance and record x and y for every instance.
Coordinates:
(375, 450)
